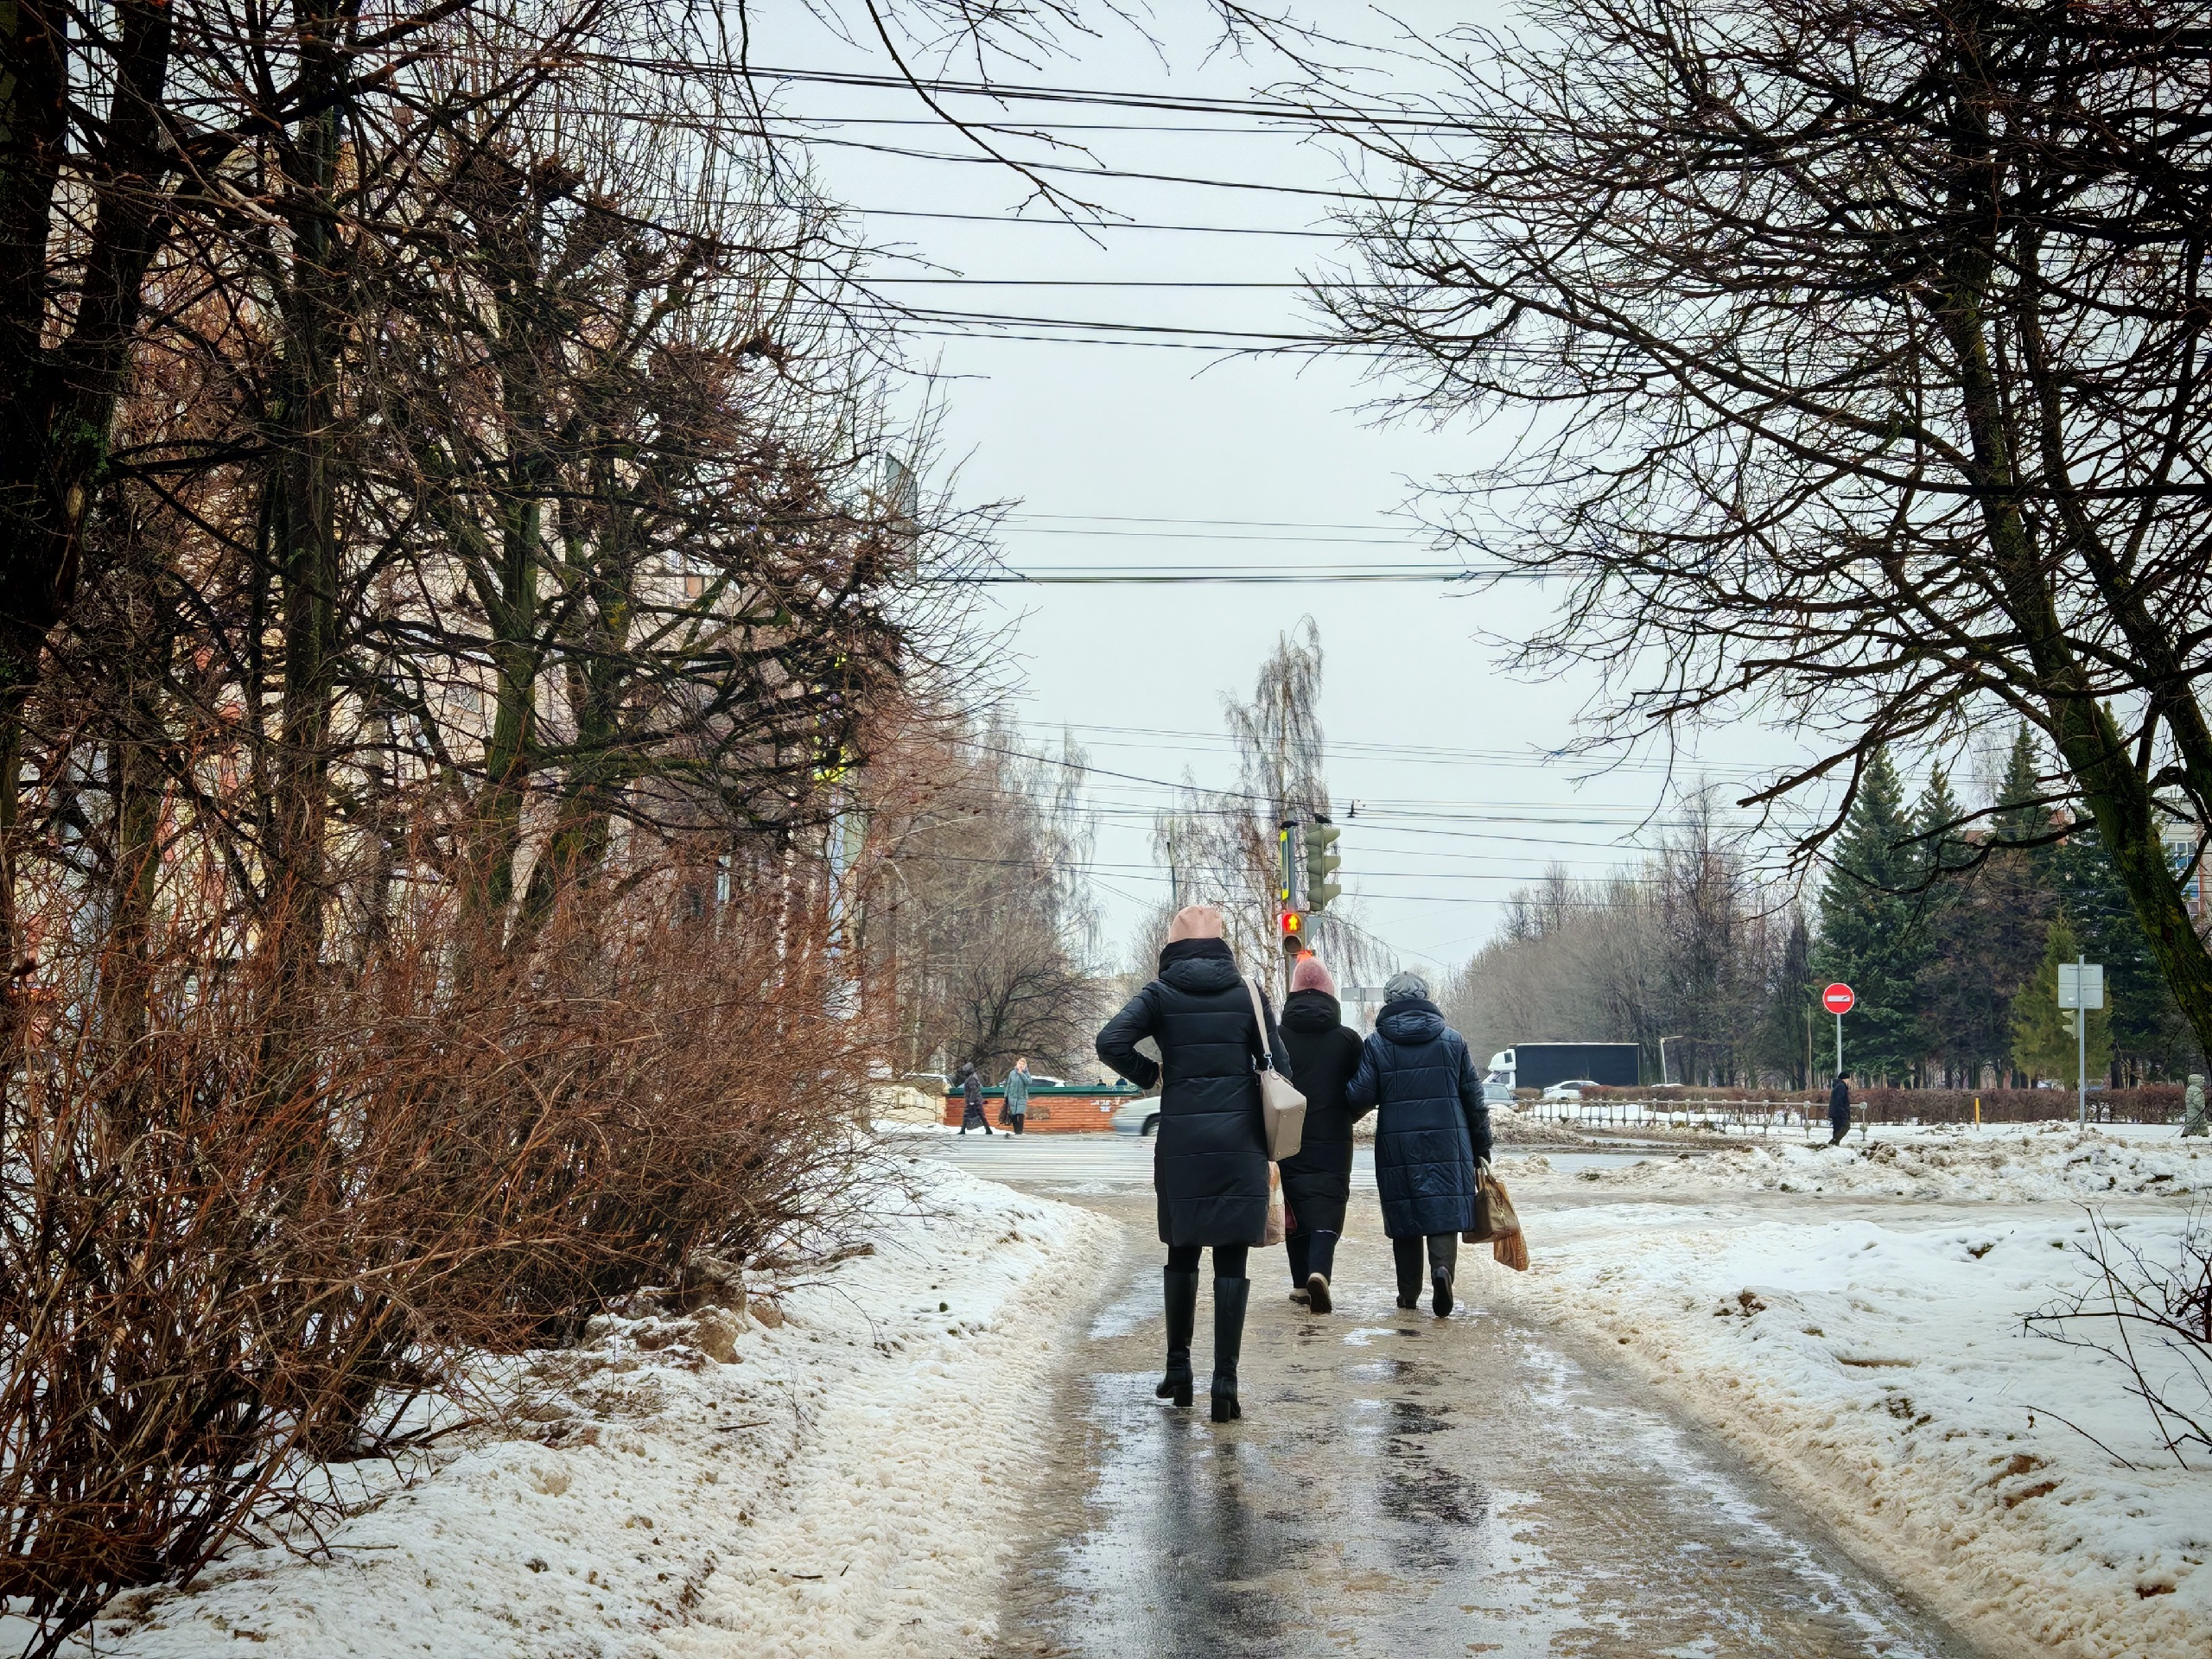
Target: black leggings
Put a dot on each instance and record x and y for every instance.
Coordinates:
(1228, 1259)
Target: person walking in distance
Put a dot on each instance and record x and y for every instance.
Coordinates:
(1317, 1180)
(971, 1100)
(1210, 1157)
(1431, 1130)
(1017, 1095)
(1839, 1109)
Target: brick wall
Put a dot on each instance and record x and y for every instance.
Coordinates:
(1052, 1111)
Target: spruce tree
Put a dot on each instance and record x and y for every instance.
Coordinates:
(1871, 936)
(2012, 902)
(2044, 1043)
(1949, 991)
(2148, 1032)
(1791, 1002)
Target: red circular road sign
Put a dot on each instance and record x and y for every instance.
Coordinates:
(1838, 999)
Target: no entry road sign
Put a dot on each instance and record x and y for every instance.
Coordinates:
(1838, 999)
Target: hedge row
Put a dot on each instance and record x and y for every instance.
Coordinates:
(2154, 1102)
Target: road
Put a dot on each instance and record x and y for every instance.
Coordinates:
(1400, 1485)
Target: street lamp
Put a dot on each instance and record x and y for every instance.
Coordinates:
(1679, 1036)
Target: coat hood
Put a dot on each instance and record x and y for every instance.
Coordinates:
(1412, 1021)
(1311, 1011)
(1198, 966)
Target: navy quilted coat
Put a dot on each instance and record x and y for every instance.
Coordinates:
(1431, 1126)
(1209, 1162)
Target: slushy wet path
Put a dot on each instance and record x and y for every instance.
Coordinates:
(1399, 1486)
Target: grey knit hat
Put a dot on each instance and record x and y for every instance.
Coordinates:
(1405, 987)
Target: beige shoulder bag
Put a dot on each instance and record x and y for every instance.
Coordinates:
(1282, 1108)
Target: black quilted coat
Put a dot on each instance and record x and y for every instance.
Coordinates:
(1431, 1126)
(1324, 1054)
(1209, 1163)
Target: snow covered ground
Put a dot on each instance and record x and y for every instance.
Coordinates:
(2016, 1165)
(1862, 1339)
(843, 1483)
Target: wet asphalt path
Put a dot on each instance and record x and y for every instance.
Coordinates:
(1400, 1485)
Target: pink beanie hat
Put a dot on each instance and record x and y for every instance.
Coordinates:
(1310, 975)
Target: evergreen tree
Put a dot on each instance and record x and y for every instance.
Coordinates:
(2019, 817)
(2148, 1032)
(1949, 991)
(1783, 1048)
(1871, 936)
(2013, 903)
(2044, 1041)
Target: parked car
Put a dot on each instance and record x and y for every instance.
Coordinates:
(1571, 1089)
(1038, 1080)
(1138, 1116)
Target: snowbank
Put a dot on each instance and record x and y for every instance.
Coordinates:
(2002, 1166)
(1879, 1371)
(846, 1484)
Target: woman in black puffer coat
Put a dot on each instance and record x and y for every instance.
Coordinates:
(1431, 1130)
(1324, 1054)
(1209, 1163)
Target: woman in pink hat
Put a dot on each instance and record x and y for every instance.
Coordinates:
(1323, 1053)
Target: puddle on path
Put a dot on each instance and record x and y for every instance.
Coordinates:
(1410, 1487)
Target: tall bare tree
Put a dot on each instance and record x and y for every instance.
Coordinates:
(1863, 348)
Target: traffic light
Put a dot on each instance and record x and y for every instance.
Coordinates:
(1294, 933)
(1320, 863)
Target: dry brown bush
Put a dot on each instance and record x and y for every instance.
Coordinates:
(225, 1263)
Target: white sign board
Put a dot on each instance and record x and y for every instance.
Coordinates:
(2080, 985)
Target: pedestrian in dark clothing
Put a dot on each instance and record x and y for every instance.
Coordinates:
(1017, 1095)
(1316, 1182)
(1210, 1157)
(971, 1101)
(1839, 1109)
(1431, 1130)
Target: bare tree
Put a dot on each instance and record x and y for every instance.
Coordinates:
(1862, 345)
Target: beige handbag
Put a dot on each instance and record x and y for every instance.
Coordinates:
(1282, 1108)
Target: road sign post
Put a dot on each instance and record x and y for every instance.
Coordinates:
(2080, 988)
(1839, 1000)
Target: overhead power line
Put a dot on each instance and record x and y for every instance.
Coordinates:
(1089, 226)
(1266, 108)
(1247, 575)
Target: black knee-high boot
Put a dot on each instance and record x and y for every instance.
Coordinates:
(1443, 1265)
(1295, 1247)
(1405, 1255)
(1181, 1296)
(1320, 1263)
(1229, 1297)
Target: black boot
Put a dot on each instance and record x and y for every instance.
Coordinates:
(1443, 1264)
(1182, 1302)
(1321, 1262)
(1405, 1255)
(1229, 1296)
(1294, 1248)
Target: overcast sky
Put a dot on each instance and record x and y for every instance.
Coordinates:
(1276, 460)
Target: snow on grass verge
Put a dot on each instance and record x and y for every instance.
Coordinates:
(844, 1484)
(2007, 1165)
(1875, 1365)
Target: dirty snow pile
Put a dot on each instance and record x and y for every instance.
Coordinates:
(1882, 1373)
(2005, 1166)
(834, 1472)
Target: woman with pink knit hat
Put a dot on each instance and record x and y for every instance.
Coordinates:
(1317, 1181)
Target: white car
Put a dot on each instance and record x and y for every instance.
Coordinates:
(1572, 1089)
(1139, 1117)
